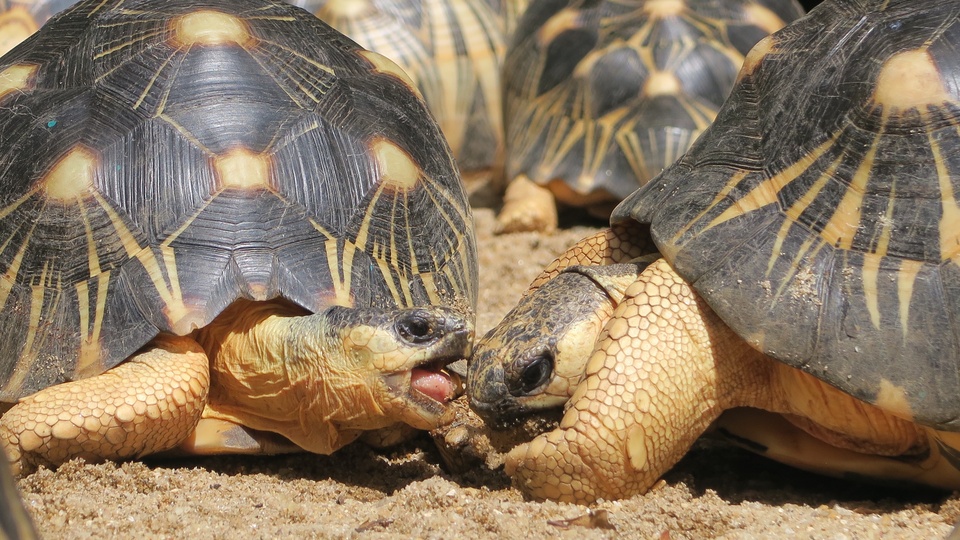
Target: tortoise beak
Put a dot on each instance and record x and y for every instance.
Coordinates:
(424, 387)
(489, 396)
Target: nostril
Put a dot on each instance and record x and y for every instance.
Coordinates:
(416, 328)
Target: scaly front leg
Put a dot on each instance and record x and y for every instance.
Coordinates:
(664, 368)
(147, 404)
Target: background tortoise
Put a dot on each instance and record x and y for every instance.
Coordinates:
(509, 12)
(452, 50)
(808, 284)
(226, 190)
(600, 96)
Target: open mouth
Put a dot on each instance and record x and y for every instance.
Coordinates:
(435, 382)
(426, 389)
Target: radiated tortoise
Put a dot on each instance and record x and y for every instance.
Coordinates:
(452, 50)
(806, 291)
(600, 96)
(224, 212)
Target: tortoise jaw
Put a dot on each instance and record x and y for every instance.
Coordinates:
(487, 392)
(494, 366)
(421, 389)
(424, 392)
(401, 354)
(503, 413)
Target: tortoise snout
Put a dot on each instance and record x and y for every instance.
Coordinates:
(487, 393)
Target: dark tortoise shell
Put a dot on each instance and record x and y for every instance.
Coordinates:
(600, 96)
(160, 160)
(819, 217)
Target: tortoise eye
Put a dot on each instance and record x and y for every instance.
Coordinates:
(535, 374)
(416, 328)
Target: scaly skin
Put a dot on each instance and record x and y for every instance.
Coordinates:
(618, 244)
(666, 367)
(148, 404)
(652, 386)
(318, 380)
(534, 359)
(323, 380)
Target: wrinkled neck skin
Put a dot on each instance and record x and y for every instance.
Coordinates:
(276, 368)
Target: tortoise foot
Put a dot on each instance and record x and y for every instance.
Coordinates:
(567, 465)
(527, 207)
(148, 404)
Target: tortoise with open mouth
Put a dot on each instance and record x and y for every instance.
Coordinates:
(221, 219)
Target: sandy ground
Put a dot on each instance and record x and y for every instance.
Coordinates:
(715, 492)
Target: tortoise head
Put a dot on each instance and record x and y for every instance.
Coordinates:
(323, 379)
(535, 358)
(391, 363)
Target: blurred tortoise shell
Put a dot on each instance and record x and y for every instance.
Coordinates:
(21, 18)
(600, 96)
(452, 50)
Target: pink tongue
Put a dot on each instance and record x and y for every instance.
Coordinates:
(433, 384)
